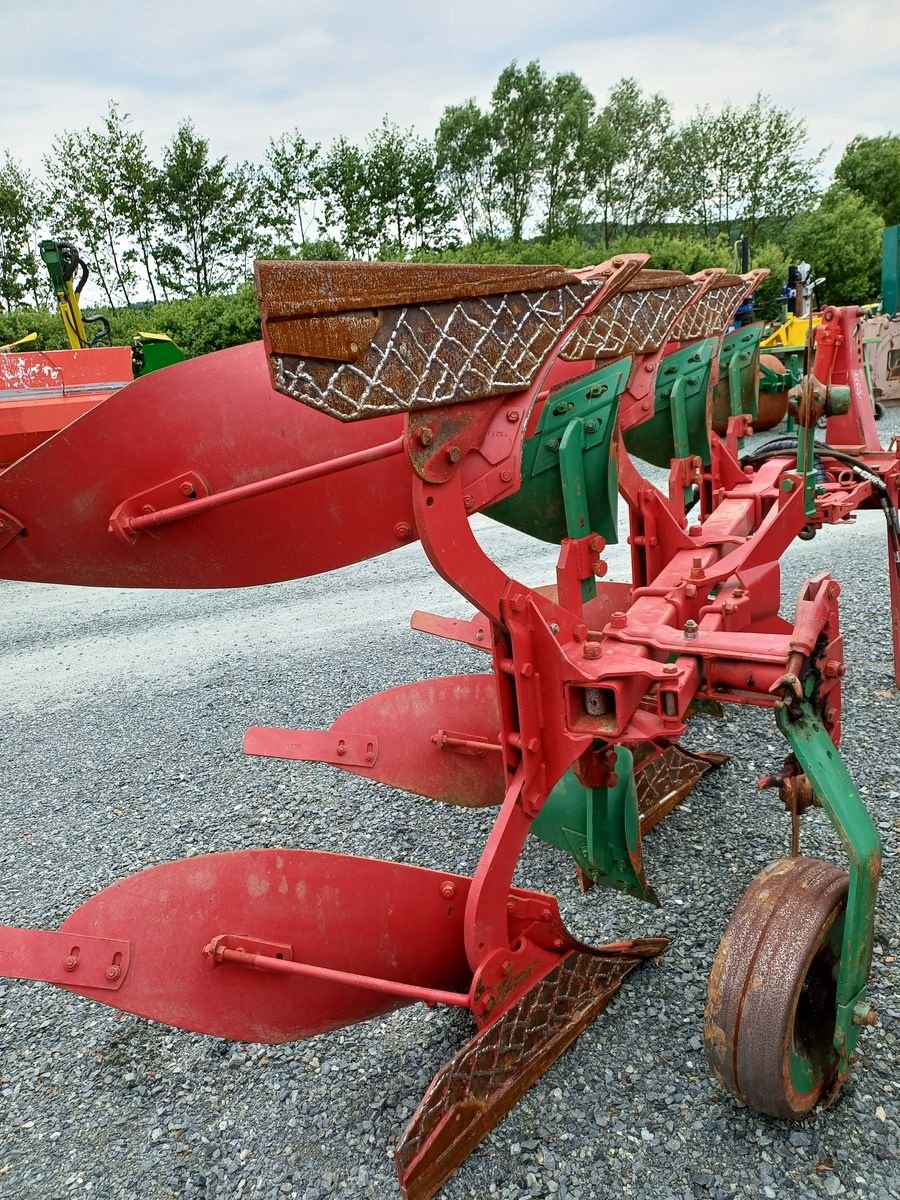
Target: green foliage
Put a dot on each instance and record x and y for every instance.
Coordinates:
(732, 168)
(207, 323)
(21, 209)
(466, 168)
(208, 214)
(519, 107)
(629, 161)
(288, 190)
(870, 167)
(842, 240)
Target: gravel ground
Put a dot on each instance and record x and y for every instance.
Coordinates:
(124, 713)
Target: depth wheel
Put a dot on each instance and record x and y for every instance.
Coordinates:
(772, 999)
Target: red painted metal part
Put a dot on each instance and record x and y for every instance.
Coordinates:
(212, 478)
(216, 418)
(355, 916)
(449, 749)
(42, 392)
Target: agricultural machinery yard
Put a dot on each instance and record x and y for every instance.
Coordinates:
(124, 716)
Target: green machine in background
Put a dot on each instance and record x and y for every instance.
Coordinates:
(890, 271)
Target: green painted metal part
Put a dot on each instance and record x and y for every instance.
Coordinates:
(569, 479)
(835, 790)
(600, 828)
(152, 351)
(678, 426)
(890, 270)
(739, 370)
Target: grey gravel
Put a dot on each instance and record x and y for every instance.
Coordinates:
(123, 718)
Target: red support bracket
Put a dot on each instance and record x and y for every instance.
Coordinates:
(313, 745)
(63, 958)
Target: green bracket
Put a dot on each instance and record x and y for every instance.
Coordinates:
(600, 828)
(835, 790)
(739, 372)
(677, 428)
(569, 479)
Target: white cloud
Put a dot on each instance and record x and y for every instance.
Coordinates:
(243, 72)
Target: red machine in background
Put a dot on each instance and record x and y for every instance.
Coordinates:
(405, 399)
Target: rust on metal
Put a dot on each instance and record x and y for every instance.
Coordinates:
(473, 1091)
(771, 953)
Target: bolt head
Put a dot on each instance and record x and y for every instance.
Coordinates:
(113, 972)
(513, 416)
(448, 889)
(426, 435)
(71, 962)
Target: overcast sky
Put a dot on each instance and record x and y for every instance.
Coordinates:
(243, 70)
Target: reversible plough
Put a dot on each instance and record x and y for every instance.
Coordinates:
(407, 398)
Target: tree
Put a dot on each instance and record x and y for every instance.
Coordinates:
(870, 167)
(289, 188)
(629, 161)
(567, 131)
(842, 240)
(135, 187)
(737, 169)
(465, 163)
(21, 209)
(344, 182)
(207, 213)
(519, 106)
(85, 170)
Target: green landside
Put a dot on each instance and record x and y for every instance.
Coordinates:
(569, 478)
(600, 828)
(678, 427)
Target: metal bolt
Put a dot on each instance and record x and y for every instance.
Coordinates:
(426, 435)
(590, 427)
(533, 745)
(696, 567)
(468, 501)
(591, 649)
(864, 1014)
(546, 914)
(342, 748)
(70, 963)
(518, 603)
(448, 889)
(618, 620)
(2, 524)
(670, 669)
(513, 416)
(187, 488)
(648, 367)
(507, 967)
(554, 628)
(113, 972)
(618, 261)
(506, 476)
(557, 943)
(526, 670)
(454, 454)
(691, 630)
(835, 669)
(553, 444)
(402, 530)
